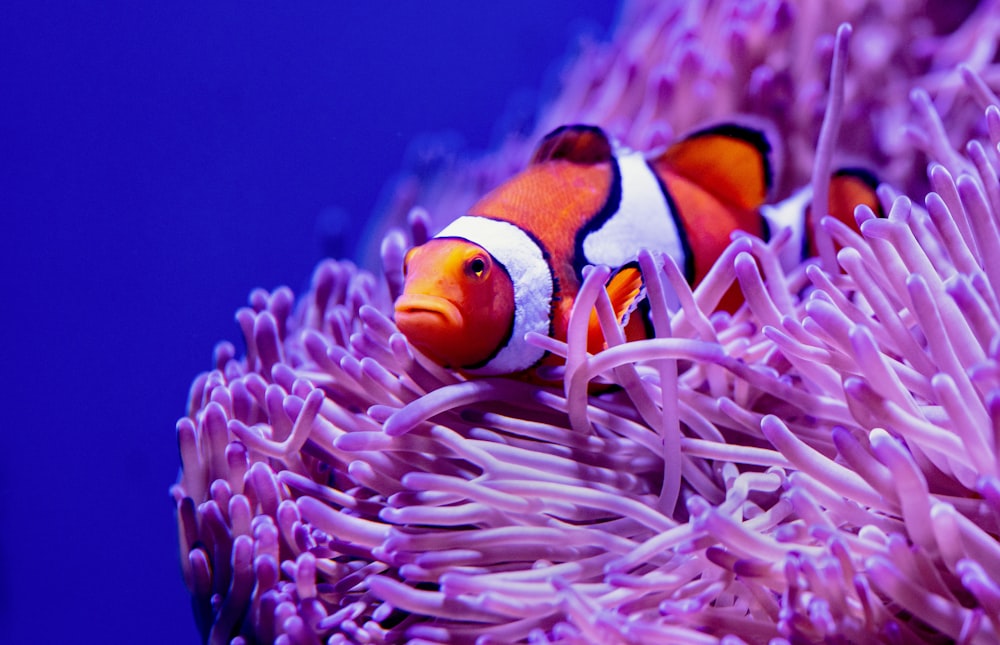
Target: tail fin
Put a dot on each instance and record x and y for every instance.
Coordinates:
(849, 188)
(733, 162)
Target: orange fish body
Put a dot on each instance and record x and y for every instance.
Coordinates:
(514, 262)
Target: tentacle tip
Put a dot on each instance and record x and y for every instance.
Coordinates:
(920, 98)
(396, 426)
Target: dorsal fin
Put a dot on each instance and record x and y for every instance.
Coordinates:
(730, 161)
(582, 144)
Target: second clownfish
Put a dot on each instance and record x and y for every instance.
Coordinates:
(514, 263)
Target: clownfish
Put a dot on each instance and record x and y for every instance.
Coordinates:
(514, 263)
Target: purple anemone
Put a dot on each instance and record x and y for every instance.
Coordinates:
(821, 465)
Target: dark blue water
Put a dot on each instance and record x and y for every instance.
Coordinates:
(156, 165)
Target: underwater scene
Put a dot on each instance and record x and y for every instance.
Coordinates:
(157, 164)
(665, 322)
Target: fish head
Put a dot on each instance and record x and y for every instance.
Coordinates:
(457, 304)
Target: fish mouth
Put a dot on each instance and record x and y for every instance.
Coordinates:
(412, 308)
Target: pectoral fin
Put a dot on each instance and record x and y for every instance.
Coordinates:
(625, 290)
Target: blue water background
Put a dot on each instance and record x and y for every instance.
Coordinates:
(157, 162)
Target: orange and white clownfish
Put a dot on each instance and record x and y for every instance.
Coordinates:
(514, 263)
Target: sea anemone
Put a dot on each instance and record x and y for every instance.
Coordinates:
(819, 466)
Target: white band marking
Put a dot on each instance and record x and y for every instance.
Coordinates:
(643, 220)
(532, 280)
(789, 213)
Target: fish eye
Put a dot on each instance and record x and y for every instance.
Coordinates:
(476, 266)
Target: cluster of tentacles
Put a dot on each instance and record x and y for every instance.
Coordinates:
(820, 465)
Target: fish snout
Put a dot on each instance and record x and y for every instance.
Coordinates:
(427, 320)
(432, 324)
(413, 307)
